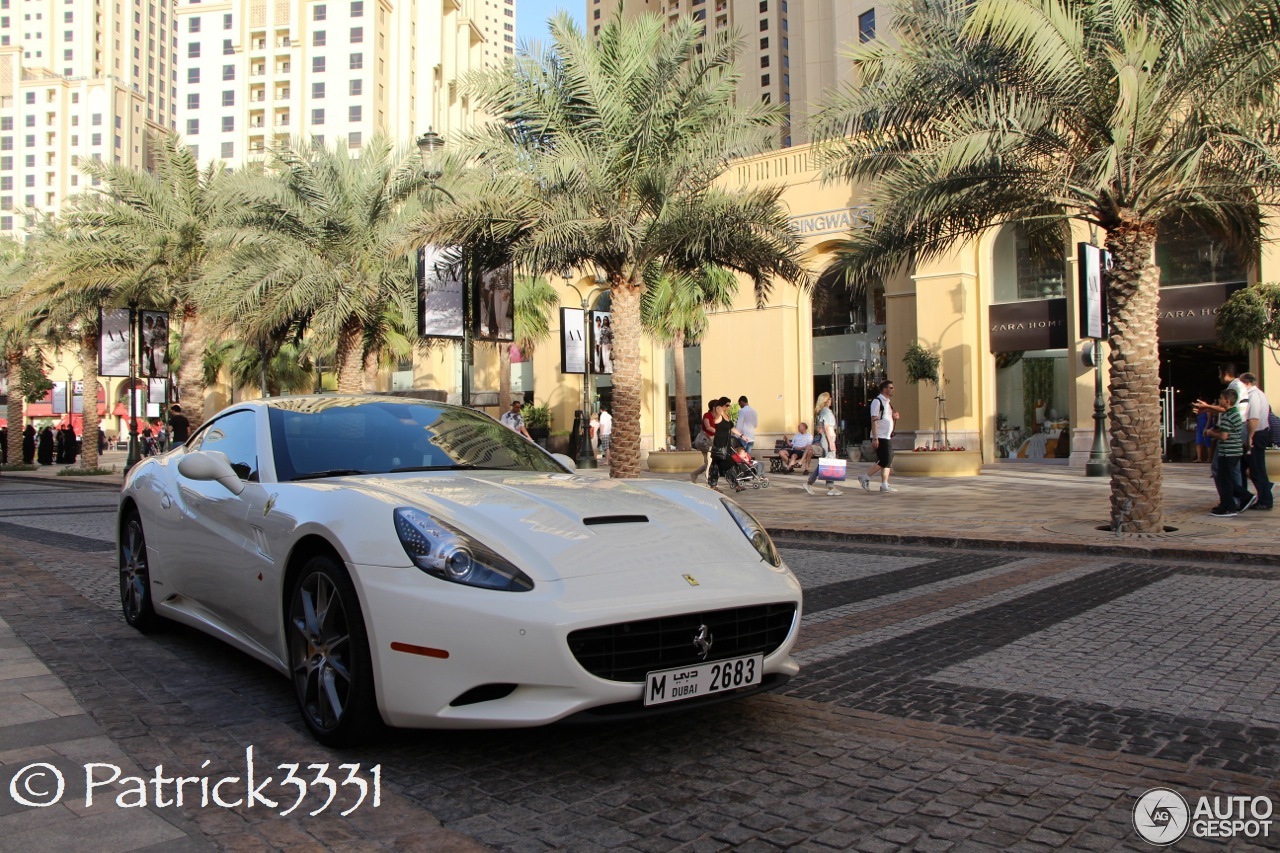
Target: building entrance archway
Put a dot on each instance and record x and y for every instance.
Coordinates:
(849, 332)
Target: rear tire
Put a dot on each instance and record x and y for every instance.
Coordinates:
(135, 576)
(329, 658)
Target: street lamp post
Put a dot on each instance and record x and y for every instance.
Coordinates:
(586, 456)
(428, 144)
(1098, 465)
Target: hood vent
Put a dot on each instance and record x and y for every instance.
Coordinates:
(616, 519)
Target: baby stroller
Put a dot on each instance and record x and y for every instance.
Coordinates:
(738, 467)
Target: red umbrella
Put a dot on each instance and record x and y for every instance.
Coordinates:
(120, 411)
(4, 422)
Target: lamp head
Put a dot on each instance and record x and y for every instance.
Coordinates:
(429, 143)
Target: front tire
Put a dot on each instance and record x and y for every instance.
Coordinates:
(135, 576)
(329, 656)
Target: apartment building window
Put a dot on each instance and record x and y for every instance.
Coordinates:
(6, 123)
(229, 97)
(193, 101)
(193, 24)
(227, 47)
(30, 180)
(30, 202)
(317, 117)
(195, 151)
(764, 79)
(6, 164)
(29, 161)
(30, 140)
(317, 64)
(228, 124)
(317, 90)
(357, 61)
(355, 113)
(226, 21)
(867, 26)
(764, 61)
(595, 15)
(318, 38)
(193, 75)
(764, 6)
(319, 12)
(6, 182)
(6, 222)
(228, 150)
(357, 35)
(228, 72)
(355, 140)
(193, 50)
(96, 139)
(764, 25)
(357, 88)
(764, 43)
(31, 121)
(31, 97)
(193, 127)
(357, 8)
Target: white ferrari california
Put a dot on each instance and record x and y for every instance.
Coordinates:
(419, 564)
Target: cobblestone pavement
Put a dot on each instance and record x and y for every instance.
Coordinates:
(949, 699)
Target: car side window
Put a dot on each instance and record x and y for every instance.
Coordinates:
(235, 435)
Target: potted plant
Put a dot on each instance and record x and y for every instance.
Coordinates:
(537, 419)
(939, 458)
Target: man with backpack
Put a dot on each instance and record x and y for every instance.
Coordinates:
(882, 418)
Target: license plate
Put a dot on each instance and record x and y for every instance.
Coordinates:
(704, 679)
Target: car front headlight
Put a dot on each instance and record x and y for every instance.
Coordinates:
(445, 552)
(755, 532)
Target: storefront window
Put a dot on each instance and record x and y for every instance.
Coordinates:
(1029, 264)
(848, 349)
(1187, 254)
(1032, 405)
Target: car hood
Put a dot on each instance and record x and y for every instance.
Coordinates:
(575, 526)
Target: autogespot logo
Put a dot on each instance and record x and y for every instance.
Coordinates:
(1161, 816)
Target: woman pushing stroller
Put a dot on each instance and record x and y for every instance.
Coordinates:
(722, 462)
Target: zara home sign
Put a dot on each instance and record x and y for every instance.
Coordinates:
(1035, 324)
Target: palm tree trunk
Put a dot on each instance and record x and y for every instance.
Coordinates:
(89, 424)
(350, 359)
(1133, 292)
(624, 448)
(190, 378)
(504, 375)
(13, 358)
(683, 441)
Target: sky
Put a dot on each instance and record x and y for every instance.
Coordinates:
(532, 15)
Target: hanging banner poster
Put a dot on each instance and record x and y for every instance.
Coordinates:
(440, 273)
(153, 343)
(601, 343)
(113, 342)
(495, 304)
(572, 345)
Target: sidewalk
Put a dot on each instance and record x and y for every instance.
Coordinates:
(1016, 506)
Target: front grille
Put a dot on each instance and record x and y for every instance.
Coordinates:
(628, 650)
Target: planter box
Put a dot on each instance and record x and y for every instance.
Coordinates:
(559, 444)
(938, 463)
(675, 461)
(1273, 463)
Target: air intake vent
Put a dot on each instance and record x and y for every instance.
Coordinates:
(616, 519)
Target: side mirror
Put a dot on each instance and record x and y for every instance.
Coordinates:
(565, 461)
(208, 466)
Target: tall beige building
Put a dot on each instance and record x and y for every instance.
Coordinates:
(793, 49)
(77, 80)
(253, 73)
(765, 28)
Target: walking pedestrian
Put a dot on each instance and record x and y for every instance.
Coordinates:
(606, 432)
(702, 441)
(513, 419)
(1257, 439)
(824, 441)
(179, 425)
(29, 444)
(748, 422)
(1232, 496)
(882, 423)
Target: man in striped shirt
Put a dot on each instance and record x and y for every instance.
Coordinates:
(1232, 496)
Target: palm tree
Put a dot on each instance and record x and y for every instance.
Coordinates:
(605, 158)
(674, 310)
(317, 249)
(281, 369)
(143, 238)
(1118, 114)
(534, 299)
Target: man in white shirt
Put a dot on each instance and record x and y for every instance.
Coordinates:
(798, 453)
(882, 418)
(1257, 438)
(606, 432)
(514, 420)
(747, 423)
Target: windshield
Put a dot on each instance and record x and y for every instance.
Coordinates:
(335, 436)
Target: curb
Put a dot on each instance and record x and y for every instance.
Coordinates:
(1135, 551)
(91, 482)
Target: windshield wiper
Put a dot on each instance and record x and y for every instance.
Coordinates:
(335, 472)
(433, 468)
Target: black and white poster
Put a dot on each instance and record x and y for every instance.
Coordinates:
(572, 343)
(1093, 304)
(153, 343)
(495, 304)
(114, 339)
(601, 343)
(59, 398)
(77, 397)
(440, 275)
